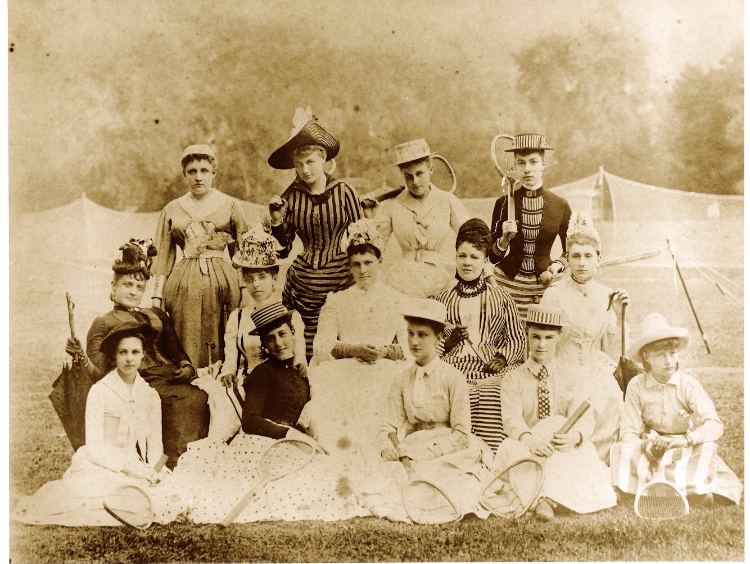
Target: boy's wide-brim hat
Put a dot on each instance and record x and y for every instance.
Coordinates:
(427, 309)
(656, 328)
(411, 151)
(199, 150)
(127, 329)
(257, 249)
(529, 142)
(545, 315)
(269, 314)
(305, 131)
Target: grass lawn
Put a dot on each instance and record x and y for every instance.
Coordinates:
(39, 452)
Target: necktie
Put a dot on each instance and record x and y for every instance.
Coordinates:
(418, 393)
(543, 391)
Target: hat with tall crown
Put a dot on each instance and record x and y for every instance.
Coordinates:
(305, 131)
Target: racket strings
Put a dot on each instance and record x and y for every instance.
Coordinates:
(285, 457)
(660, 500)
(130, 505)
(427, 504)
(442, 175)
(513, 491)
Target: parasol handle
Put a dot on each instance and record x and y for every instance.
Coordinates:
(71, 316)
(622, 327)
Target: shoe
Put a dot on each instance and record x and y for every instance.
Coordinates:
(544, 510)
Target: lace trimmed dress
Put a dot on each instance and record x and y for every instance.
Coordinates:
(203, 287)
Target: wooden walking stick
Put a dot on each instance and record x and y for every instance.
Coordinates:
(692, 307)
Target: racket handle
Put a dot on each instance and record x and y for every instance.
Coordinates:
(390, 194)
(573, 419)
(404, 459)
(237, 509)
(161, 462)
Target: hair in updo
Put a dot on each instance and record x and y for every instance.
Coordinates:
(352, 250)
(304, 150)
(481, 239)
(197, 157)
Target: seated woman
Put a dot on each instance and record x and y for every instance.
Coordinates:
(593, 314)
(424, 220)
(165, 366)
(487, 339)
(538, 397)
(215, 476)
(428, 417)
(123, 443)
(670, 422)
(358, 349)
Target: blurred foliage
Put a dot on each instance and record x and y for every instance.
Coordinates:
(113, 121)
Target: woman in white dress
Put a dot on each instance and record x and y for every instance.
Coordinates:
(593, 313)
(358, 348)
(123, 443)
(424, 220)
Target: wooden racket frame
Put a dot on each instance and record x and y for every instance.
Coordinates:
(533, 499)
(158, 466)
(507, 179)
(659, 478)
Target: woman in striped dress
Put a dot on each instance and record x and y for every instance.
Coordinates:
(318, 208)
(487, 340)
(523, 263)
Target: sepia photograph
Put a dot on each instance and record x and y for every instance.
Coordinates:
(357, 281)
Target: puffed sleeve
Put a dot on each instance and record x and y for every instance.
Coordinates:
(511, 398)
(96, 335)
(353, 205)
(459, 215)
(708, 426)
(300, 347)
(231, 334)
(632, 426)
(563, 233)
(239, 226)
(285, 232)
(513, 339)
(384, 219)
(166, 249)
(100, 452)
(328, 330)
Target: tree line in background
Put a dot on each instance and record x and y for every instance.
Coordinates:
(122, 119)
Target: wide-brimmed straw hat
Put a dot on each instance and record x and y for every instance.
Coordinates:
(126, 329)
(656, 328)
(529, 142)
(545, 315)
(269, 314)
(137, 256)
(200, 150)
(427, 309)
(257, 249)
(305, 131)
(411, 151)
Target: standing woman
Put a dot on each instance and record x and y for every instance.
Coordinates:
(424, 220)
(522, 256)
(203, 285)
(487, 339)
(318, 208)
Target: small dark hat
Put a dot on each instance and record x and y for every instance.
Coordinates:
(474, 224)
(126, 329)
(529, 142)
(305, 131)
(136, 257)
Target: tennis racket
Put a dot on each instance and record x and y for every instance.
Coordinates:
(404, 459)
(284, 457)
(573, 419)
(515, 489)
(442, 177)
(660, 500)
(505, 165)
(428, 503)
(130, 505)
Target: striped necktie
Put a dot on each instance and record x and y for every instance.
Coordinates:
(543, 391)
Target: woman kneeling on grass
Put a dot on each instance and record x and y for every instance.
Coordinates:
(216, 476)
(429, 425)
(670, 422)
(123, 443)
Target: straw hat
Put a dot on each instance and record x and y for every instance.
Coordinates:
(545, 315)
(411, 151)
(656, 328)
(200, 150)
(257, 249)
(529, 142)
(427, 309)
(136, 257)
(127, 329)
(266, 315)
(305, 131)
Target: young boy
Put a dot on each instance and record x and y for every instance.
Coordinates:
(521, 248)
(670, 421)
(537, 399)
